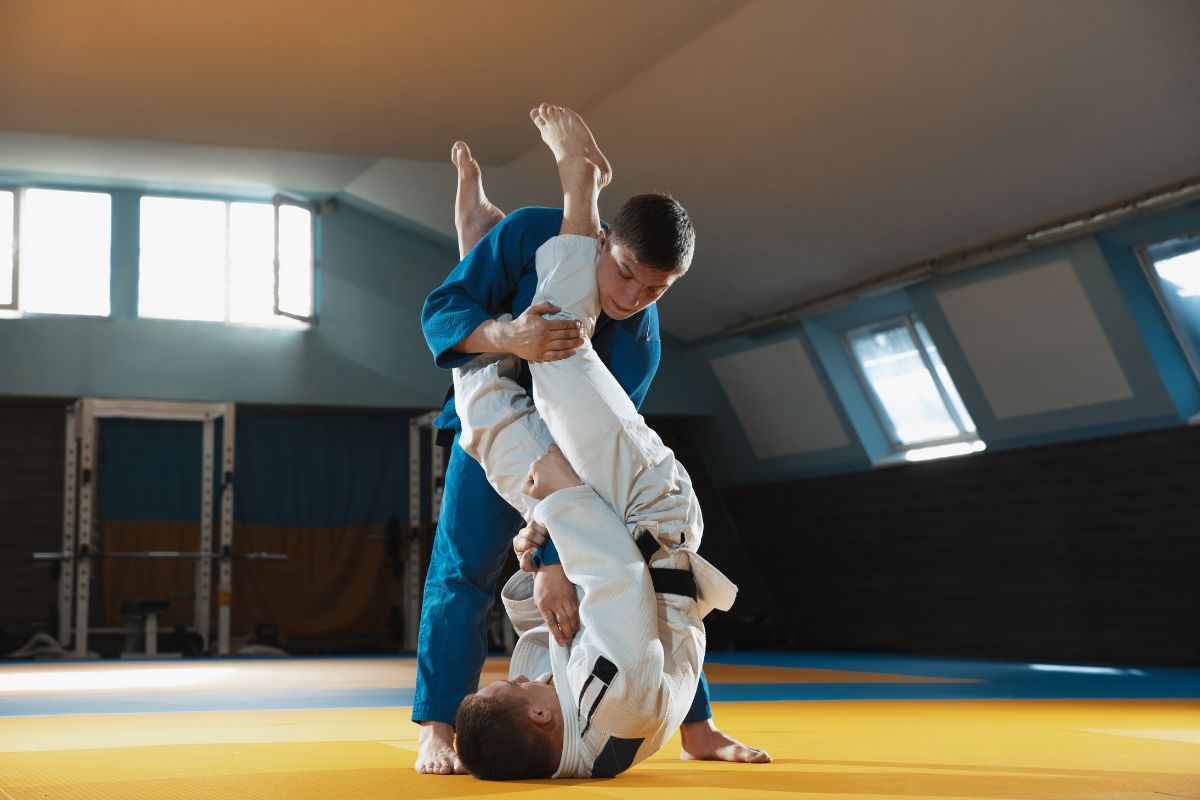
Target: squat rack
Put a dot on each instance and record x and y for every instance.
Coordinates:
(414, 574)
(80, 507)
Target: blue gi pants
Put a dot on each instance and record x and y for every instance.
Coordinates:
(474, 536)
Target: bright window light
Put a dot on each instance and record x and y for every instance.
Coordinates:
(182, 269)
(213, 260)
(1182, 272)
(65, 260)
(912, 396)
(943, 378)
(944, 451)
(251, 254)
(1084, 670)
(912, 391)
(68, 680)
(295, 260)
(6, 248)
(1173, 267)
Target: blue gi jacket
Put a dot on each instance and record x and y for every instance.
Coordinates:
(499, 276)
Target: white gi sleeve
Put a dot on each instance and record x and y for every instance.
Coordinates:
(501, 429)
(566, 268)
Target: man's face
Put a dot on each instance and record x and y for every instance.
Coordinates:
(523, 690)
(627, 286)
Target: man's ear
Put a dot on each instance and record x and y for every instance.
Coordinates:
(540, 715)
(602, 239)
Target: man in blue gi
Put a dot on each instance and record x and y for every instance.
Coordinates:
(647, 246)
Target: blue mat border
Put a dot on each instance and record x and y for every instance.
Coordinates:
(990, 681)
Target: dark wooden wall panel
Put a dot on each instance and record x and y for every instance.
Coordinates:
(1084, 552)
(32, 432)
(755, 621)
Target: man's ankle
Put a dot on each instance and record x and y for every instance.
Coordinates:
(436, 725)
(579, 173)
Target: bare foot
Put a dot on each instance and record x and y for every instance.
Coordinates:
(435, 750)
(568, 135)
(473, 214)
(703, 742)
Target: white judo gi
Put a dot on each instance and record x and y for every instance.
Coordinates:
(628, 678)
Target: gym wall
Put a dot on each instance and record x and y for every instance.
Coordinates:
(366, 352)
(309, 483)
(1066, 342)
(366, 349)
(1081, 552)
(32, 433)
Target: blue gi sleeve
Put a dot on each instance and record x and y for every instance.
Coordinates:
(483, 283)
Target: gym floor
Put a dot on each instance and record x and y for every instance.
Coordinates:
(837, 726)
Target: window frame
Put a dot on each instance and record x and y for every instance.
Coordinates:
(14, 309)
(1144, 258)
(228, 201)
(17, 192)
(278, 201)
(885, 419)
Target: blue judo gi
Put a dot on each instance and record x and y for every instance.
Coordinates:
(476, 526)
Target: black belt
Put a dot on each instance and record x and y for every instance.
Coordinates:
(444, 437)
(673, 581)
(666, 581)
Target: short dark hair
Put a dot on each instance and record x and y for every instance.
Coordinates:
(658, 230)
(498, 742)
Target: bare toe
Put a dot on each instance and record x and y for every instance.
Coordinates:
(460, 156)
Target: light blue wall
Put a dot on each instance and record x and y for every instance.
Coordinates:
(1148, 407)
(366, 350)
(1164, 390)
(730, 454)
(684, 384)
(1119, 246)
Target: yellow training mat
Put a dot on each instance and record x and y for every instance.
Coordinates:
(1027, 749)
(990, 749)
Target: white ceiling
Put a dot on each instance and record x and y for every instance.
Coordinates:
(815, 142)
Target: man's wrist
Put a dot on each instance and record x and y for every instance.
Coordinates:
(498, 336)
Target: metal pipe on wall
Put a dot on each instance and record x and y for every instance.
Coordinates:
(1006, 247)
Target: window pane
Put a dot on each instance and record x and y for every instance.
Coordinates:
(1177, 264)
(252, 253)
(295, 261)
(892, 365)
(943, 376)
(65, 252)
(1182, 272)
(182, 272)
(6, 237)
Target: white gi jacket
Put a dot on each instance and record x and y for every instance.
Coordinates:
(627, 680)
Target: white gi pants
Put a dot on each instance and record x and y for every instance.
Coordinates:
(578, 404)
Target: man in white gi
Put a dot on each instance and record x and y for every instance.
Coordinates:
(627, 526)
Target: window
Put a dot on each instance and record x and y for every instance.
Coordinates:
(911, 389)
(223, 261)
(8, 255)
(1174, 270)
(56, 248)
(294, 273)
